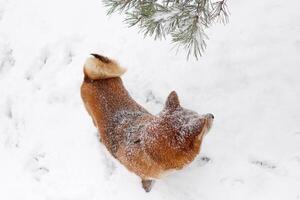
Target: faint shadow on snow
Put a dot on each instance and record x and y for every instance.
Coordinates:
(232, 181)
(108, 161)
(297, 159)
(2, 9)
(110, 166)
(1, 13)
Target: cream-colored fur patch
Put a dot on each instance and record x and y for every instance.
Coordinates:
(167, 173)
(95, 69)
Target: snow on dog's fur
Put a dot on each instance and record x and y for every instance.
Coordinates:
(145, 144)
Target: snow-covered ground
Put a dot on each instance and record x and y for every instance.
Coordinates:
(248, 78)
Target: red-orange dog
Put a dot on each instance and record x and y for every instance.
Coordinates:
(145, 144)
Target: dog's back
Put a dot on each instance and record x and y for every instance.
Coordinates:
(107, 101)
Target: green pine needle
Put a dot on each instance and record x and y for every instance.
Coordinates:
(184, 20)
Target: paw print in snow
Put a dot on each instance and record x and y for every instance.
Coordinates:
(264, 164)
(150, 97)
(203, 160)
(6, 58)
(36, 168)
(39, 64)
(68, 56)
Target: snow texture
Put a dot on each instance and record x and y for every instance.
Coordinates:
(248, 78)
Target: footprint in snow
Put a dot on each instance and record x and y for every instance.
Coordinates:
(203, 160)
(68, 56)
(150, 97)
(39, 64)
(8, 108)
(36, 167)
(12, 133)
(7, 59)
(263, 164)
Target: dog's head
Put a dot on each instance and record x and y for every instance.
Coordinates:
(177, 134)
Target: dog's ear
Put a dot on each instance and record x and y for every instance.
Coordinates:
(172, 101)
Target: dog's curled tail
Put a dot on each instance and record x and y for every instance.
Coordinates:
(101, 67)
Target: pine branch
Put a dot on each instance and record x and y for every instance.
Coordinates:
(220, 12)
(184, 20)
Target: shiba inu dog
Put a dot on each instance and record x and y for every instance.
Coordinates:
(148, 145)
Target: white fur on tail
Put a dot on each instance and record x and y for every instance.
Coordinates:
(100, 67)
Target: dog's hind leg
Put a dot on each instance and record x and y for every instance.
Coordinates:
(147, 184)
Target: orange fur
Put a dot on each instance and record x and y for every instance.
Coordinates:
(145, 144)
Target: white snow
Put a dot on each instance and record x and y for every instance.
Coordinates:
(248, 78)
